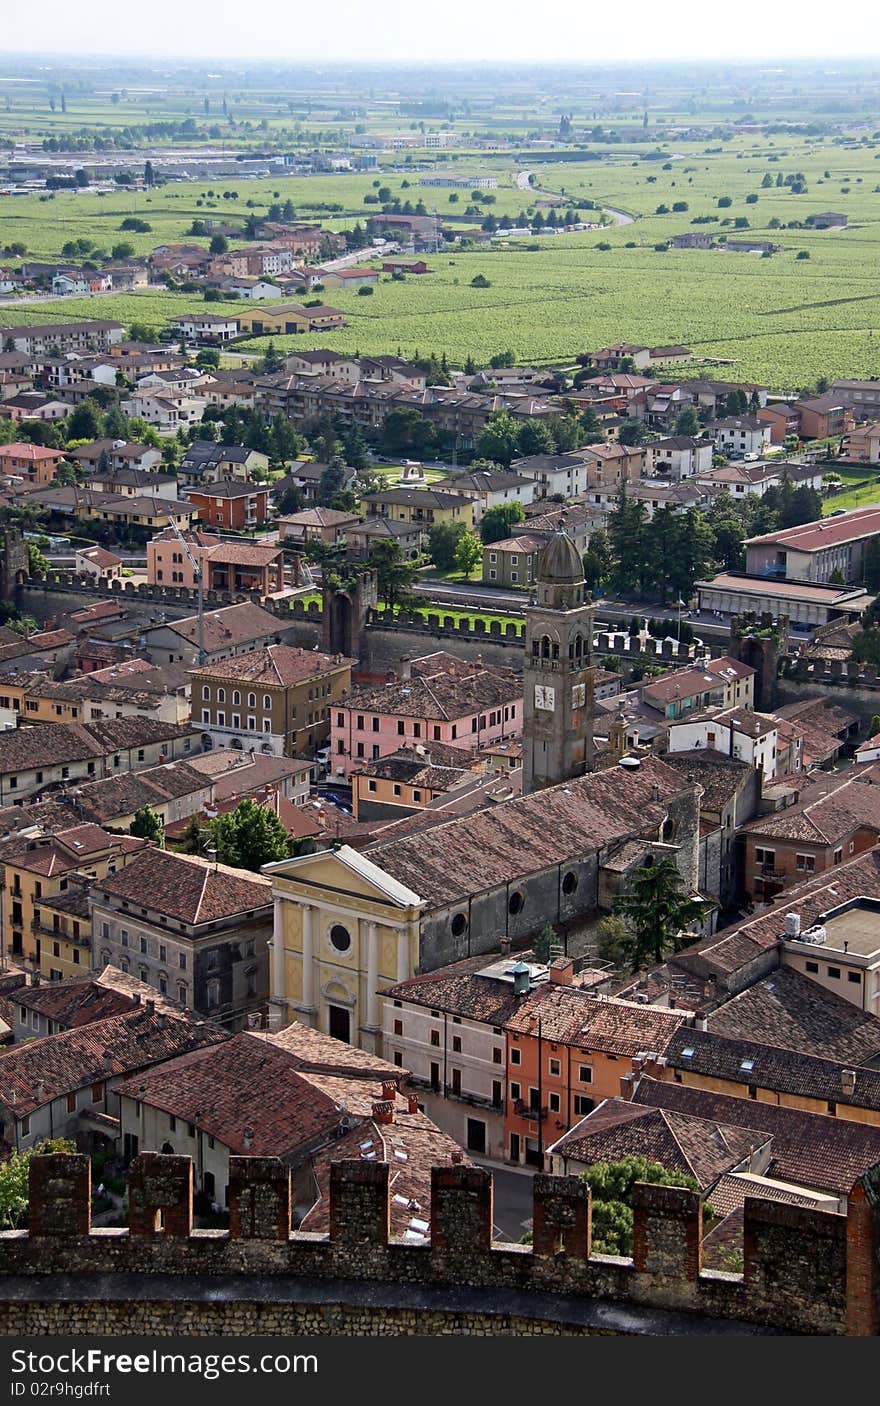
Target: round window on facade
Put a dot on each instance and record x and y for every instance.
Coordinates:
(570, 882)
(515, 902)
(458, 924)
(340, 938)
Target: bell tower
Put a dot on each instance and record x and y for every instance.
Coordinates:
(558, 674)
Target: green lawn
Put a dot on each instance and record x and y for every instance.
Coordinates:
(861, 491)
(456, 615)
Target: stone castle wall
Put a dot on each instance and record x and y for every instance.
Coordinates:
(804, 1271)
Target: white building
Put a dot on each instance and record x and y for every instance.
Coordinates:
(567, 474)
(736, 732)
(740, 434)
(678, 457)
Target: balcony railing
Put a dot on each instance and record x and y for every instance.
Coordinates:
(525, 1110)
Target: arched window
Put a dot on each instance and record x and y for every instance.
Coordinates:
(267, 702)
(252, 700)
(182, 992)
(236, 698)
(578, 646)
(545, 646)
(221, 695)
(556, 649)
(206, 693)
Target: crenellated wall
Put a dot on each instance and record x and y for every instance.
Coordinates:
(805, 1272)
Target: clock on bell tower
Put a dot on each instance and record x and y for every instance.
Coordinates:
(558, 671)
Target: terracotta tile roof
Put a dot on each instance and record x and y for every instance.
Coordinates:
(827, 532)
(84, 1000)
(731, 1191)
(570, 1016)
(315, 1053)
(70, 849)
(241, 773)
(827, 820)
(187, 888)
(698, 1147)
(459, 990)
(274, 664)
(768, 1067)
(812, 1148)
(795, 1013)
(244, 1083)
(41, 1070)
(726, 951)
(115, 797)
(721, 777)
(243, 554)
(438, 689)
(228, 627)
(531, 832)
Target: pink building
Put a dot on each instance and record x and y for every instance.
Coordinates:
(167, 562)
(439, 699)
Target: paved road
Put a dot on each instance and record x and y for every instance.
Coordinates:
(523, 180)
(513, 1201)
(618, 216)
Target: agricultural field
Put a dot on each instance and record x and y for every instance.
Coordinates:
(784, 320)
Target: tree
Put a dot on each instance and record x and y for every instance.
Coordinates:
(874, 725)
(468, 552)
(15, 1179)
(122, 250)
(406, 431)
(443, 539)
(633, 432)
(37, 563)
(147, 824)
(687, 422)
(497, 522)
(837, 577)
(598, 561)
(85, 421)
(219, 244)
(332, 481)
(611, 1185)
(148, 174)
(657, 908)
(499, 439)
(248, 837)
(626, 528)
(394, 574)
(871, 565)
(273, 359)
(534, 437)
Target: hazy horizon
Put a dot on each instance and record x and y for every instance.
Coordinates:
(461, 33)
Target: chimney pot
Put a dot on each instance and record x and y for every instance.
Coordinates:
(389, 1088)
(248, 1138)
(457, 1158)
(412, 1104)
(150, 1005)
(383, 1111)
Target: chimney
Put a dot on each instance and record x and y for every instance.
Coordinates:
(701, 1023)
(628, 1085)
(456, 1158)
(40, 1091)
(135, 998)
(848, 1081)
(107, 1065)
(248, 1138)
(150, 1006)
(412, 1104)
(161, 1019)
(405, 667)
(389, 1088)
(562, 971)
(383, 1112)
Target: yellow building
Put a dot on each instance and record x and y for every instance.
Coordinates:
(342, 928)
(292, 317)
(423, 507)
(65, 932)
(40, 869)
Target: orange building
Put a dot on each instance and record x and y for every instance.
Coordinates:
(167, 562)
(566, 1051)
(31, 461)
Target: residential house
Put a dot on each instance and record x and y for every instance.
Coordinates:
(34, 758)
(174, 790)
(278, 698)
(326, 525)
(116, 457)
(196, 930)
(37, 868)
(737, 732)
(48, 1007)
(169, 565)
(205, 461)
(360, 536)
(230, 503)
(784, 420)
(438, 698)
(97, 564)
(741, 478)
(862, 445)
(82, 281)
(207, 329)
(399, 785)
(349, 278)
(724, 682)
(567, 1050)
(492, 490)
(168, 410)
(739, 434)
(824, 416)
(65, 1085)
(513, 562)
(861, 396)
(425, 506)
(553, 474)
(810, 837)
(59, 337)
(231, 630)
(31, 461)
(677, 457)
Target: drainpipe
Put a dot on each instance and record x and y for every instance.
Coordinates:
(444, 1053)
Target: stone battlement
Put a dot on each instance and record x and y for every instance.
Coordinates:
(804, 1271)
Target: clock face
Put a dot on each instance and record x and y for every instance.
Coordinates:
(545, 697)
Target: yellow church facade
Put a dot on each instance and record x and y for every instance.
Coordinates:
(342, 929)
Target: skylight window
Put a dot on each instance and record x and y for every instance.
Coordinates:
(747, 1065)
(688, 1052)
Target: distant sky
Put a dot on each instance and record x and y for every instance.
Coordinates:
(419, 30)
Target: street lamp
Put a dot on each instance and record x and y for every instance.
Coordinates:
(680, 604)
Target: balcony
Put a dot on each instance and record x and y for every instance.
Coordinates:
(525, 1110)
